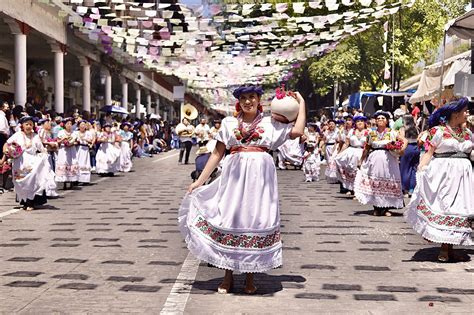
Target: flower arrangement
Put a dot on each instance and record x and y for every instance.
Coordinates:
(69, 142)
(394, 145)
(14, 150)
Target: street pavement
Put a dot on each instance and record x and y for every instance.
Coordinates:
(114, 247)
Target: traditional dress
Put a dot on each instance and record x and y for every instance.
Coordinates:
(311, 165)
(291, 151)
(83, 155)
(442, 205)
(234, 222)
(348, 160)
(67, 166)
(32, 175)
(331, 169)
(378, 181)
(125, 151)
(108, 154)
(45, 137)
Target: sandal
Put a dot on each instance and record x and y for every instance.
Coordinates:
(222, 290)
(387, 213)
(443, 255)
(376, 212)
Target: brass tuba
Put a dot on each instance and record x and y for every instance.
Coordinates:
(189, 112)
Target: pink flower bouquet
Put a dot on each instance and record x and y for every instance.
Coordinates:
(14, 150)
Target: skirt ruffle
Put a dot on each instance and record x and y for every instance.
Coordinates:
(205, 241)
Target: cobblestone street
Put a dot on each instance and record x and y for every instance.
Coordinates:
(114, 247)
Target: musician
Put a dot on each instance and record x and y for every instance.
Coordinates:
(185, 132)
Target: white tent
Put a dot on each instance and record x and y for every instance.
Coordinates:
(429, 85)
(463, 26)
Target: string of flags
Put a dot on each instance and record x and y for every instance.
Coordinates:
(223, 45)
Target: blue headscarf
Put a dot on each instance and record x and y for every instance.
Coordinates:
(442, 114)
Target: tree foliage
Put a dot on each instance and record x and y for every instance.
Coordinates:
(417, 34)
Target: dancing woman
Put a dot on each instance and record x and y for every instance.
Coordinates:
(126, 147)
(108, 154)
(442, 206)
(234, 222)
(85, 140)
(330, 139)
(32, 175)
(349, 157)
(378, 180)
(67, 166)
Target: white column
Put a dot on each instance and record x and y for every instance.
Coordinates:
(20, 69)
(148, 103)
(108, 88)
(138, 102)
(58, 81)
(124, 94)
(86, 83)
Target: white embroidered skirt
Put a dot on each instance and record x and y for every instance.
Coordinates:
(442, 204)
(125, 157)
(107, 158)
(67, 167)
(234, 222)
(32, 175)
(378, 182)
(346, 163)
(84, 160)
(331, 169)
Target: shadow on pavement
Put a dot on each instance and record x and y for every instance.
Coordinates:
(430, 254)
(267, 284)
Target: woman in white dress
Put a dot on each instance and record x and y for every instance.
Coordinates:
(126, 147)
(108, 154)
(85, 140)
(32, 175)
(67, 166)
(442, 206)
(378, 181)
(330, 138)
(348, 158)
(51, 146)
(234, 222)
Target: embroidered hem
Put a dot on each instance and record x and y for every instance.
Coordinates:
(437, 234)
(240, 259)
(384, 187)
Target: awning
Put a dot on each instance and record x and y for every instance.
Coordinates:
(463, 26)
(430, 80)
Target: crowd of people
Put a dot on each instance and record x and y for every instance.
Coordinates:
(233, 223)
(391, 156)
(42, 149)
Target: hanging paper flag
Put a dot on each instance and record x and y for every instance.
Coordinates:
(348, 3)
(265, 7)
(167, 14)
(281, 7)
(215, 9)
(380, 2)
(332, 5)
(298, 7)
(150, 13)
(365, 3)
(315, 4)
(247, 9)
